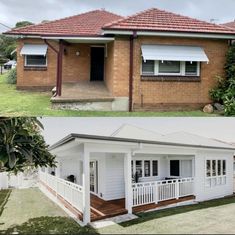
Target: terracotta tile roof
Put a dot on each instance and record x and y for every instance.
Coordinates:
(160, 20)
(230, 25)
(86, 24)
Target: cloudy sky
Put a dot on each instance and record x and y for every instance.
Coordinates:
(217, 128)
(12, 11)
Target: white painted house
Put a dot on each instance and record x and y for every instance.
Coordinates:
(134, 170)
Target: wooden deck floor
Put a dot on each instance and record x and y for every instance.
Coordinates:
(101, 209)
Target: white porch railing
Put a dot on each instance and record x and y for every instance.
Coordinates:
(154, 192)
(72, 193)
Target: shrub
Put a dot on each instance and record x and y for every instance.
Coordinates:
(224, 93)
(11, 76)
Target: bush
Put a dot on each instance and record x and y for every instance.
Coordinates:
(11, 77)
(224, 93)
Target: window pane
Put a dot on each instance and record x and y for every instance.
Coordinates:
(191, 68)
(155, 168)
(35, 60)
(139, 168)
(175, 168)
(132, 169)
(213, 167)
(224, 167)
(146, 168)
(208, 168)
(169, 66)
(148, 67)
(219, 167)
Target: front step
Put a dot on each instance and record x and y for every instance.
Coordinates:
(91, 104)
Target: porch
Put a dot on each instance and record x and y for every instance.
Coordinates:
(146, 196)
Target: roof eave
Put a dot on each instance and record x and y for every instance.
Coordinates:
(169, 33)
(127, 140)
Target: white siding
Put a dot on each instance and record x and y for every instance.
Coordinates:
(206, 193)
(114, 177)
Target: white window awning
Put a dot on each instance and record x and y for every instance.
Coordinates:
(174, 53)
(34, 49)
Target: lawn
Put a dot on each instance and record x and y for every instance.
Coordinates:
(212, 217)
(29, 211)
(4, 195)
(22, 103)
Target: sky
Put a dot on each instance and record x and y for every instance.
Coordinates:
(12, 11)
(217, 128)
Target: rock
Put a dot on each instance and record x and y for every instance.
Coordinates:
(219, 107)
(208, 109)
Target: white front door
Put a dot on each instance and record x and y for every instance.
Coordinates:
(94, 177)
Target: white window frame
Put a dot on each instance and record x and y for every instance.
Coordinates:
(40, 66)
(151, 168)
(181, 73)
(217, 180)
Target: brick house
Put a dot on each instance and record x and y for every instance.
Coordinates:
(153, 60)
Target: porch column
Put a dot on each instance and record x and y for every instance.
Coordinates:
(86, 186)
(128, 183)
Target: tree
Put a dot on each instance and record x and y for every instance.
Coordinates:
(8, 44)
(21, 145)
(23, 24)
(224, 93)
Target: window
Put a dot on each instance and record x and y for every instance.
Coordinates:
(208, 168)
(35, 60)
(139, 168)
(215, 172)
(155, 168)
(170, 68)
(191, 68)
(146, 168)
(175, 168)
(148, 67)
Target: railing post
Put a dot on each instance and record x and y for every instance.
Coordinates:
(156, 194)
(177, 189)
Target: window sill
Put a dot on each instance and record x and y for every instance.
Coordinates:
(34, 68)
(161, 78)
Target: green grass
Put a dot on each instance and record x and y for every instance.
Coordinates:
(4, 195)
(29, 211)
(26, 103)
(216, 216)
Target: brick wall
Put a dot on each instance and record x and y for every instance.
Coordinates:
(34, 79)
(121, 67)
(75, 68)
(175, 95)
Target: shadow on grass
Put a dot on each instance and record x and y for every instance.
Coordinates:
(49, 225)
(4, 196)
(148, 216)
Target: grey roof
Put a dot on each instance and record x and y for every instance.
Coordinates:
(132, 134)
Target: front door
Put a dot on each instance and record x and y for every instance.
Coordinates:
(94, 177)
(97, 64)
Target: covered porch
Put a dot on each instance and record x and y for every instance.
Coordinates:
(106, 181)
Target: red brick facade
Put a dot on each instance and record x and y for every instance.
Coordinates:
(147, 93)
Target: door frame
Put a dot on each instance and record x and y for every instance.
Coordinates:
(99, 46)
